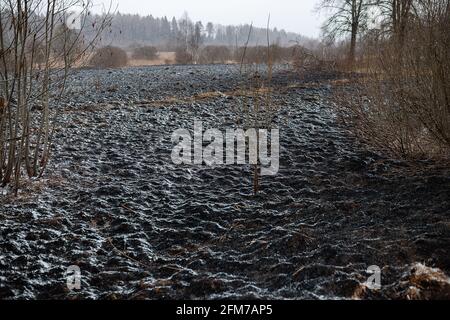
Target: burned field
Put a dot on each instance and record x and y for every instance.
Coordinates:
(140, 227)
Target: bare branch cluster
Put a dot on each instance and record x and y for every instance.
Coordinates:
(40, 40)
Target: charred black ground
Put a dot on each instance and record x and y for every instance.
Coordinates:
(138, 226)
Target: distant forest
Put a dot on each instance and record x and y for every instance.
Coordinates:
(135, 30)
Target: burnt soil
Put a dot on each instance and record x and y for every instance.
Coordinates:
(140, 227)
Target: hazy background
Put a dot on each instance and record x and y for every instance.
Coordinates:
(292, 15)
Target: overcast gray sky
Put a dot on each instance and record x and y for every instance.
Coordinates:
(292, 15)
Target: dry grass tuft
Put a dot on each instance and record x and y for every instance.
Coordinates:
(427, 283)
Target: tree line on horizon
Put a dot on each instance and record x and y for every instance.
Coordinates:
(135, 30)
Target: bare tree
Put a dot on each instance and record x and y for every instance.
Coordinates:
(396, 14)
(210, 30)
(348, 17)
(196, 40)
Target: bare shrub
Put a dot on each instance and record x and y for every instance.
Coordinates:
(403, 101)
(215, 54)
(109, 57)
(261, 54)
(36, 54)
(306, 62)
(183, 56)
(252, 55)
(145, 53)
(66, 44)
